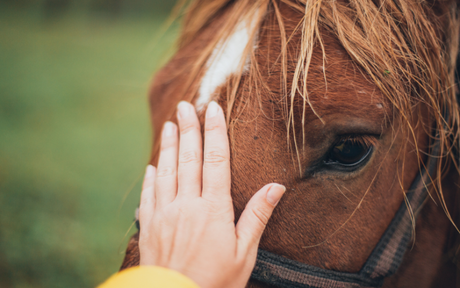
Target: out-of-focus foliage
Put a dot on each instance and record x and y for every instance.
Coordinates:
(53, 8)
(74, 138)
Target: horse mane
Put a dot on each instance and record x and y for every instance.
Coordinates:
(408, 49)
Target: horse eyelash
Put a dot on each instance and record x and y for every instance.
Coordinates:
(365, 140)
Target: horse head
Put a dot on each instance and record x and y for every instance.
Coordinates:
(343, 102)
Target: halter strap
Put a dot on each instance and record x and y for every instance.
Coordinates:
(384, 260)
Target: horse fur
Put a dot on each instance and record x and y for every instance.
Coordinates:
(318, 70)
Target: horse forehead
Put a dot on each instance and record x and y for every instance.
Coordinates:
(335, 84)
(343, 89)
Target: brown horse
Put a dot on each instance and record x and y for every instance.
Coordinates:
(346, 103)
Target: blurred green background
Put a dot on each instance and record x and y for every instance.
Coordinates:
(74, 133)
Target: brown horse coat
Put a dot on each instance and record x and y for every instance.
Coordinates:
(329, 218)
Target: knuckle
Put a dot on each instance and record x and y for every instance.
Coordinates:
(167, 144)
(261, 215)
(189, 157)
(214, 126)
(166, 171)
(218, 208)
(215, 157)
(188, 127)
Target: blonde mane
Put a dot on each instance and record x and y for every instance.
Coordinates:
(407, 48)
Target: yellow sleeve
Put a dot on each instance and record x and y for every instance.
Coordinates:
(148, 276)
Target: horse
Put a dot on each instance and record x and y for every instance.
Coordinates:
(351, 104)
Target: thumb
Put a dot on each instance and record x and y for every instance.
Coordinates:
(255, 216)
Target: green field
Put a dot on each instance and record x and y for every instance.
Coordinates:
(74, 139)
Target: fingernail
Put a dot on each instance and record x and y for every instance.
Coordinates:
(212, 110)
(168, 129)
(275, 193)
(183, 109)
(150, 171)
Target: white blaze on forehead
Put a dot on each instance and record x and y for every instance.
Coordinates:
(226, 59)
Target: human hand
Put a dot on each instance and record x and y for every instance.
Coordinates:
(186, 211)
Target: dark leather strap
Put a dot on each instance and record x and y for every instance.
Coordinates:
(383, 261)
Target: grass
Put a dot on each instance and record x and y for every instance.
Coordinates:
(74, 137)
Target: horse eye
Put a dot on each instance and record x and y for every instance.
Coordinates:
(348, 153)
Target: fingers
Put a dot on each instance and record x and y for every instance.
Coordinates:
(216, 166)
(149, 178)
(147, 197)
(255, 216)
(146, 211)
(166, 181)
(190, 151)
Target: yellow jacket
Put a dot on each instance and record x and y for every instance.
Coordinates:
(148, 276)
